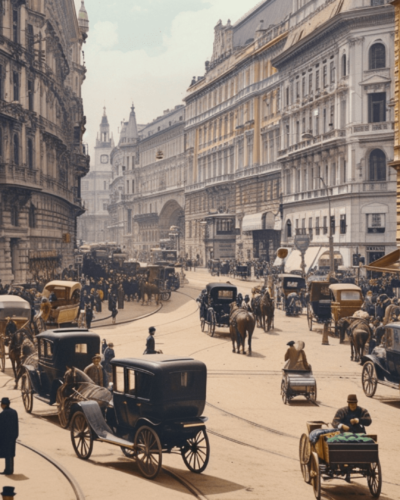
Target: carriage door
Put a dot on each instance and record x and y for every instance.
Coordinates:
(119, 398)
(133, 402)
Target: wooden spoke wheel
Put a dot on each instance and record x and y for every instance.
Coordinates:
(212, 323)
(81, 436)
(309, 318)
(148, 452)
(305, 455)
(369, 379)
(165, 296)
(202, 324)
(315, 476)
(26, 393)
(128, 452)
(284, 389)
(313, 396)
(374, 479)
(196, 452)
(62, 416)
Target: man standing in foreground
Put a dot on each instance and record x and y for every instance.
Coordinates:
(95, 371)
(8, 435)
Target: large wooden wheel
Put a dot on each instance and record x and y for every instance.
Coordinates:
(309, 317)
(212, 322)
(284, 389)
(315, 476)
(62, 417)
(81, 436)
(196, 452)
(148, 452)
(305, 455)
(2, 355)
(165, 296)
(26, 393)
(374, 479)
(369, 379)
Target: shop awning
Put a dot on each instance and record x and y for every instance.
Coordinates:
(258, 221)
(390, 263)
(293, 262)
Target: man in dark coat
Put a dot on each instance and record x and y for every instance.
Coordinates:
(8, 435)
(150, 342)
(352, 418)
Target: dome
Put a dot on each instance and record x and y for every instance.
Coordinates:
(83, 18)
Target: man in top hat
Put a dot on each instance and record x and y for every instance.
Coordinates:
(8, 492)
(150, 342)
(8, 435)
(352, 418)
(95, 371)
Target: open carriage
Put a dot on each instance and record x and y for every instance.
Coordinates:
(65, 309)
(216, 309)
(319, 304)
(157, 408)
(18, 311)
(321, 459)
(298, 378)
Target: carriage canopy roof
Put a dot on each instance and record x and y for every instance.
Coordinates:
(65, 334)
(224, 286)
(14, 306)
(344, 286)
(53, 286)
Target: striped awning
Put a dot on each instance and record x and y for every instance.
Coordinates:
(258, 221)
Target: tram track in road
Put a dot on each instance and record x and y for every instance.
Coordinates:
(187, 484)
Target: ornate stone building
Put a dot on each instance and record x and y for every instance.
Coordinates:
(93, 225)
(42, 158)
(337, 87)
(148, 183)
(232, 127)
(396, 161)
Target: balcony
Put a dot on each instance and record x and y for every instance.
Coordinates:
(319, 140)
(373, 127)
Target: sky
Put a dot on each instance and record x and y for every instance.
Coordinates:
(146, 52)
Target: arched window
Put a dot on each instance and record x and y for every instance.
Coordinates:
(377, 56)
(32, 216)
(289, 229)
(377, 165)
(16, 149)
(344, 65)
(30, 153)
(14, 216)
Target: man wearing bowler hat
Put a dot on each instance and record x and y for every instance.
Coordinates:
(8, 493)
(8, 435)
(352, 418)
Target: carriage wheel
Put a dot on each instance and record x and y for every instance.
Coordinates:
(202, 324)
(309, 318)
(62, 418)
(369, 379)
(26, 393)
(81, 436)
(315, 476)
(212, 323)
(2, 355)
(128, 452)
(196, 452)
(165, 296)
(148, 452)
(374, 479)
(305, 454)
(314, 394)
(284, 389)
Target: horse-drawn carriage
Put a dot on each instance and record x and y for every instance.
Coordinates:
(16, 310)
(65, 307)
(319, 303)
(327, 457)
(382, 366)
(216, 308)
(215, 267)
(297, 376)
(243, 271)
(288, 284)
(346, 299)
(157, 408)
(164, 278)
(43, 372)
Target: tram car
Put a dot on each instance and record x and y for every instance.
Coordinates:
(157, 408)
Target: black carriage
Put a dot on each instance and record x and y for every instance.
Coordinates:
(157, 408)
(287, 285)
(326, 457)
(215, 267)
(215, 310)
(319, 303)
(243, 271)
(225, 267)
(57, 350)
(382, 366)
(165, 278)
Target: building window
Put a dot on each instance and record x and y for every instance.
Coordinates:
(289, 229)
(297, 89)
(332, 117)
(129, 221)
(317, 80)
(343, 224)
(287, 96)
(15, 25)
(105, 185)
(310, 79)
(133, 187)
(14, 216)
(325, 228)
(333, 224)
(376, 223)
(1, 142)
(377, 165)
(30, 95)
(304, 86)
(310, 228)
(332, 70)
(317, 229)
(377, 56)
(16, 149)
(377, 107)
(324, 76)
(224, 226)
(30, 153)
(32, 217)
(344, 65)
(1, 82)
(16, 86)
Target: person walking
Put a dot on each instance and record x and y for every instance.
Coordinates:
(9, 432)
(121, 296)
(150, 342)
(114, 310)
(89, 315)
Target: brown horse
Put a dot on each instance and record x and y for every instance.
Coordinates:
(149, 290)
(241, 324)
(359, 333)
(267, 309)
(21, 346)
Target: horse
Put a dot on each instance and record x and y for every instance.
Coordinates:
(359, 333)
(267, 309)
(21, 346)
(77, 387)
(149, 290)
(241, 324)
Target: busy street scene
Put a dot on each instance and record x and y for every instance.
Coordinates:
(199, 275)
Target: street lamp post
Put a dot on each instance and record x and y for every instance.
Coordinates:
(331, 251)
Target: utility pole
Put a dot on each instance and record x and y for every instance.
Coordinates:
(331, 250)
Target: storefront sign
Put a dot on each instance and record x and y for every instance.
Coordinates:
(44, 254)
(375, 249)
